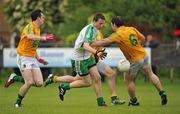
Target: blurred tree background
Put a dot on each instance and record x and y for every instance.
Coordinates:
(65, 18)
(18, 13)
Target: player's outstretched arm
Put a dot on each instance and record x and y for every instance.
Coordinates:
(46, 37)
(103, 42)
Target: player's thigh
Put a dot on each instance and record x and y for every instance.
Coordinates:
(105, 69)
(147, 67)
(133, 70)
(148, 70)
(28, 76)
(92, 67)
(87, 79)
(25, 65)
(37, 76)
(94, 73)
(109, 72)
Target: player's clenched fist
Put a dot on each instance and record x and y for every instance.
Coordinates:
(48, 37)
(100, 54)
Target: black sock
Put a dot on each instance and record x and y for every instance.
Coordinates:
(134, 99)
(161, 92)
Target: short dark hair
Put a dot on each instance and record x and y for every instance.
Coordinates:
(35, 14)
(98, 16)
(118, 21)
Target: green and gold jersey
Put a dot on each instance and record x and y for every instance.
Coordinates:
(27, 47)
(127, 39)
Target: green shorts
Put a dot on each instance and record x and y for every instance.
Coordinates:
(82, 67)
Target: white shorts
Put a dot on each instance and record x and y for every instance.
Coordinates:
(101, 66)
(135, 67)
(25, 62)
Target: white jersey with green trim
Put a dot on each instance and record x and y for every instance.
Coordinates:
(87, 34)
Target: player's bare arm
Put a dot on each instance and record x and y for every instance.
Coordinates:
(88, 48)
(46, 37)
(103, 42)
(35, 37)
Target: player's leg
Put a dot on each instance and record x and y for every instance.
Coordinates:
(111, 76)
(54, 79)
(69, 82)
(84, 81)
(25, 66)
(27, 75)
(67, 78)
(97, 85)
(80, 82)
(129, 79)
(22, 63)
(37, 77)
(97, 80)
(13, 78)
(81, 67)
(155, 80)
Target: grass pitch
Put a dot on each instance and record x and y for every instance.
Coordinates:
(83, 101)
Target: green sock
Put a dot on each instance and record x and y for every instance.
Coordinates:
(100, 101)
(19, 99)
(18, 79)
(66, 86)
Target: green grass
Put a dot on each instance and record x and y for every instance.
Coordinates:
(83, 101)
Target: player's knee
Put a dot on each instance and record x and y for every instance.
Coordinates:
(97, 79)
(88, 83)
(111, 74)
(39, 84)
(29, 83)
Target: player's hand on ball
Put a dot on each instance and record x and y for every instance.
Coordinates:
(42, 61)
(48, 37)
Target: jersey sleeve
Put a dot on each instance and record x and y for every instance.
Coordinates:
(89, 35)
(114, 37)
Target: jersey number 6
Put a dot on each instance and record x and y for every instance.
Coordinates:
(133, 40)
